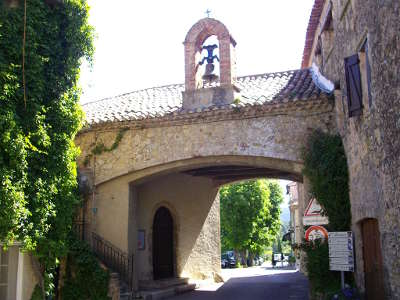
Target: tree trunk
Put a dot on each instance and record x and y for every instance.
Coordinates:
(61, 277)
(251, 259)
(237, 257)
(243, 258)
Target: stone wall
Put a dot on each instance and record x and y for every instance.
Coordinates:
(278, 136)
(29, 276)
(371, 140)
(144, 170)
(195, 211)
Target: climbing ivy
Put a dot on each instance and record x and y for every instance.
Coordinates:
(322, 281)
(38, 190)
(325, 166)
(101, 147)
(85, 279)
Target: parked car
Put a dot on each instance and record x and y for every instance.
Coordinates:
(228, 260)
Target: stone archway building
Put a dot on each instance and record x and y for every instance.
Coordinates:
(174, 146)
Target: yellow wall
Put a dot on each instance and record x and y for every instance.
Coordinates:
(195, 210)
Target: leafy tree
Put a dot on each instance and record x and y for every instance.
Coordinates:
(249, 215)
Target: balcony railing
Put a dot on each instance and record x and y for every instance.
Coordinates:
(114, 258)
(79, 229)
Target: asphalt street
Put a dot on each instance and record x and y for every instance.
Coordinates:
(253, 283)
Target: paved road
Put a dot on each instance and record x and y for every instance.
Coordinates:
(253, 283)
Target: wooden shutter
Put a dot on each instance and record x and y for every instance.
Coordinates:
(353, 83)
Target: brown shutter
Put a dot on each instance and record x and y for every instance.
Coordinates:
(353, 83)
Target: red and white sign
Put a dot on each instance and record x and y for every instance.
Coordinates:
(316, 232)
(313, 214)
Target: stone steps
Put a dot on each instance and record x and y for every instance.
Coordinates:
(167, 292)
(158, 289)
(161, 283)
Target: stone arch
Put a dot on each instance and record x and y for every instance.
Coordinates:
(290, 168)
(196, 36)
(204, 28)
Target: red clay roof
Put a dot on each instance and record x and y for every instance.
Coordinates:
(312, 27)
(256, 90)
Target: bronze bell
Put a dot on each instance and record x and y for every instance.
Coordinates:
(208, 75)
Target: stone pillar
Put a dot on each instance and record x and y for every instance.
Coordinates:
(225, 62)
(190, 66)
(114, 287)
(132, 233)
(304, 199)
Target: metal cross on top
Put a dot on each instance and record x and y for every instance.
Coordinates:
(208, 12)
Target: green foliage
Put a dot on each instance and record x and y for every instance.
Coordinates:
(280, 246)
(38, 191)
(249, 215)
(37, 293)
(317, 264)
(85, 279)
(326, 167)
(292, 259)
(101, 148)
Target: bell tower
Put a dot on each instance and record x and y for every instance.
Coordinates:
(204, 88)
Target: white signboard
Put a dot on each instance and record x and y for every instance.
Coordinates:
(341, 254)
(313, 214)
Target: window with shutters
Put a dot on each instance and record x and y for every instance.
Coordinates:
(353, 84)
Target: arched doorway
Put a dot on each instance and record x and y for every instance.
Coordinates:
(163, 244)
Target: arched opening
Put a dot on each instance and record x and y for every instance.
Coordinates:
(194, 41)
(186, 194)
(209, 62)
(163, 245)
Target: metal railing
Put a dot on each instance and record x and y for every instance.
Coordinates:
(79, 229)
(114, 258)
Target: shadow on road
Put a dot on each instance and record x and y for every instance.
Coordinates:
(276, 284)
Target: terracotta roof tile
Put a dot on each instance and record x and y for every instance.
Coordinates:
(311, 29)
(261, 89)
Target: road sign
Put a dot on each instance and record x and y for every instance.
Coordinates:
(313, 214)
(316, 232)
(341, 254)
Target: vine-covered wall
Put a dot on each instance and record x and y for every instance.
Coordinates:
(325, 167)
(42, 44)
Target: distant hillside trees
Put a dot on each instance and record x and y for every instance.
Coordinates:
(250, 216)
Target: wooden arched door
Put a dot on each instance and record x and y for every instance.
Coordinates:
(163, 246)
(373, 266)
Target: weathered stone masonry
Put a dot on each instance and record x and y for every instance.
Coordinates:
(168, 132)
(372, 140)
(157, 150)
